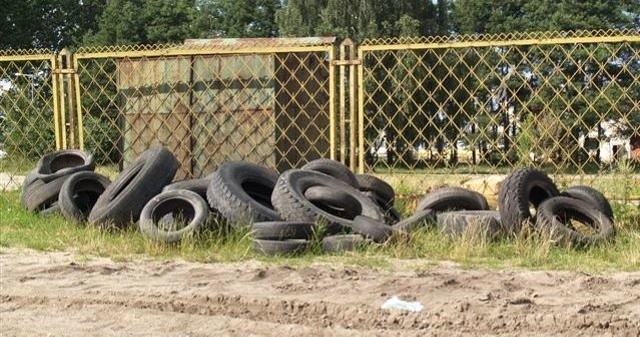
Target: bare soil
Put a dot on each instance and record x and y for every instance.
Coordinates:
(58, 293)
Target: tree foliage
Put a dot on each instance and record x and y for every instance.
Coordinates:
(47, 24)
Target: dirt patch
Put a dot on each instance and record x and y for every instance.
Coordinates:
(56, 294)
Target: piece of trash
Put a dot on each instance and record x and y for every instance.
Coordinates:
(396, 303)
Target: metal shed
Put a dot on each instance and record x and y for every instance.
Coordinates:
(268, 107)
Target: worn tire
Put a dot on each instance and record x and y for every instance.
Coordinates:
(241, 192)
(288, 198)
(80, 193)
(592, 196)
(333, 168)
(51, 210)
(371, 229)
(342, 243)
(551, 211)
(184, 203)
(520, 188)
(391, 215)
(123, 201)
(282, 230)
(54, 165)
(29, 179)
(453, 198)
(198, 186)
(333, 200)
(187, 204)
(369, 183)
(477, 223)
(276, 247)
(416, 221)
(41, 195)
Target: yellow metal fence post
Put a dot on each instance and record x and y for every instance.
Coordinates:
(78, 103)
(61, 100)
(56, 102)
(332, 103)
(352, 105)
(361, 100)
(343, 104)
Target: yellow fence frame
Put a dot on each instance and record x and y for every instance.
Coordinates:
(57, 94)
(352, 115)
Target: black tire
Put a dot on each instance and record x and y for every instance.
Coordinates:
(288, 198)
(391, 215)
(371, 229)
(241, 192)
(198, 186)
(477, 223)
(592, 196)
(517, 191)
(453, 199)
(121, 203)
(41, 195)
(552, 210)
(416, 221)
(284, 247)
(343, 243)
(383, 203)
(184, 204)
(282, 230)
(333, 200)
(51, 210)
(80, 193)
(29, 179)
(369, 183)
(56, 164)
(333, 168)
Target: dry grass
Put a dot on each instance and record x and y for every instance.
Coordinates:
(20, 228)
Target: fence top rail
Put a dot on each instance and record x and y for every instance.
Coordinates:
(477, 44)
(556, 36)
(211, 46)
(25, 54)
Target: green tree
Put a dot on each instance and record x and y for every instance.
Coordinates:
(139, 21)
(299, 17)
(237, 18)
(47, 24)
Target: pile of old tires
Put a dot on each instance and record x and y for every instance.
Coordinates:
(322, 202)
(65, 182)
(528, 202)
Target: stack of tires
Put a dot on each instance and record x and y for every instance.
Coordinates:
(578, 216)
(528, 202)
(65, 182)
(323, 201)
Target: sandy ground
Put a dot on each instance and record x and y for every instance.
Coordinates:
(56, 294)
(10, 182)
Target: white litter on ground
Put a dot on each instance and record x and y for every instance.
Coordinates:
(396, 303)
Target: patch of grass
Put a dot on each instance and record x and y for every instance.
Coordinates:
(19, 228)
(17, 164)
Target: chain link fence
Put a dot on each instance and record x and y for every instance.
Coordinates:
(449, 109)
(29, 115)
(418, 112)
